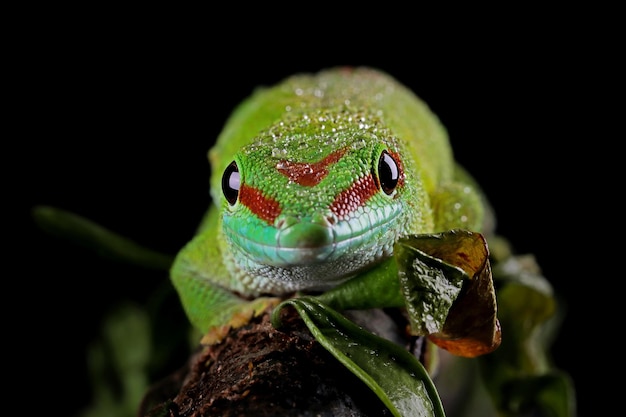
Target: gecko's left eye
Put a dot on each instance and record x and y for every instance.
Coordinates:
(231, 183)
(388, 172)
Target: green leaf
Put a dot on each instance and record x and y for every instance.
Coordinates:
(391, 372)
(119, 362)
(549, 394)
(86, 233)
(520, 375)
(429, 285)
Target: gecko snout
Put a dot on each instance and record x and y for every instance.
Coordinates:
(302, 240)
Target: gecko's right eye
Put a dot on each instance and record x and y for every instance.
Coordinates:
(231, 183)
(388, 172)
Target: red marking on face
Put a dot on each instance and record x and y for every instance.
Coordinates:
(309, 174)
(354, 197)
(265, 208)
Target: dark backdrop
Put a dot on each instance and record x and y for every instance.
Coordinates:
(120, 120)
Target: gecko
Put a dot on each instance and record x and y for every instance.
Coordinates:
(312, 182)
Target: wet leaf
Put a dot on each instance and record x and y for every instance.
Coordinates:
(447, 284)
(429, 286)
(391, 372)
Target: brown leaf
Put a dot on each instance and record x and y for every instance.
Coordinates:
(472, 327)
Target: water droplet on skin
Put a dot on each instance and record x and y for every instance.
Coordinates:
(279, 152)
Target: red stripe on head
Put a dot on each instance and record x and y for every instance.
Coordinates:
(308, 174)
(354, 197)
(263, 207)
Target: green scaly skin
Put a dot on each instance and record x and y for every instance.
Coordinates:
(313, 208)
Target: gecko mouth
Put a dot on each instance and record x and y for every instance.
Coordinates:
(293, 242)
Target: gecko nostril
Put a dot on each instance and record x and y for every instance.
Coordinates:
(323, 220)
(284, 222)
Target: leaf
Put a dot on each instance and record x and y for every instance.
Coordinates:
(447, 285)
(86, 233)
(391, 372)
(520, 375)
(429, 285)
(119, 362)
(552, 393)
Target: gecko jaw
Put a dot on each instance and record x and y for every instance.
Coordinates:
(296, 242)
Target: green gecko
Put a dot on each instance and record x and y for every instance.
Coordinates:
(313, 181)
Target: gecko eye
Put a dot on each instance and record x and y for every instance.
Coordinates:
(231, 183)
(388, 173)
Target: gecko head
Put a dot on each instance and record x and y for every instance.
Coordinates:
(315, 208)
(313, 233)
(314, 249)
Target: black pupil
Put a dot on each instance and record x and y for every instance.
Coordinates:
(388, 173)
(231, 183)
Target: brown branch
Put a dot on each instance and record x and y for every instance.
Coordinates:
(260, 371)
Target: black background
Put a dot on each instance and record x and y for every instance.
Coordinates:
(114, 119)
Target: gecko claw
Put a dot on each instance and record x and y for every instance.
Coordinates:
(239, 317)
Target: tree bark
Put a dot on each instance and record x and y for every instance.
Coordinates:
(260, 371)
